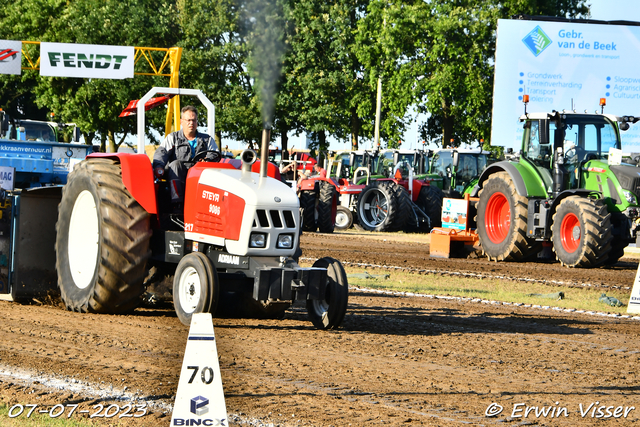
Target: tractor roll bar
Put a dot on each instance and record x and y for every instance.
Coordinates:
(211, 111)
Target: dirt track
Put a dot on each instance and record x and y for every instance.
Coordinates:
(398, 361)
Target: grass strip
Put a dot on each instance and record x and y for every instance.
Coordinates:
(489, 289)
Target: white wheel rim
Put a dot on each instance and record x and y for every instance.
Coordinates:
(374, 209)
(189, 290)
(341, 219)
(84, 235)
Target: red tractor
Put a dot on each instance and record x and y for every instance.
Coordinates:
(399, 202)
(238, 238)
(330, 202)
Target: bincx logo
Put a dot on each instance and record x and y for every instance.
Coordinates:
(537, 41)
(199, 405)
(7, 55)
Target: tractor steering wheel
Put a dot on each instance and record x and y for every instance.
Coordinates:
(200, 157)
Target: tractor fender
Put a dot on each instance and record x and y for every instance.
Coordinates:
(310, 184)
(516, 172)
(137, 177)
(417, 187)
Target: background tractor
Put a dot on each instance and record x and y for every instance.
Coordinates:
(398, 195)
(237, 239)
(568, 188)
(454, 173)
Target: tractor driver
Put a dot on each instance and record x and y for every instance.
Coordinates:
(180, 147)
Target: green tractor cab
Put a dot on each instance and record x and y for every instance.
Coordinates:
(456, 171)
(569, 189)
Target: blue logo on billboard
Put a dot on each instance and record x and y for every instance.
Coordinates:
(537, 41)
(199, 405)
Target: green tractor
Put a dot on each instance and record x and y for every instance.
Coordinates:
(568, 189)
(453, 173)
(456, 171)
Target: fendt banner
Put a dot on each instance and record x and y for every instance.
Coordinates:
(10, 57)
(86, 60)
(564, 66)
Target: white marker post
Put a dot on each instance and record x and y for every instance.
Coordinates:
(634, 299)
(200, 398)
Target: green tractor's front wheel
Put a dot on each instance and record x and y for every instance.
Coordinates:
(582, 232)
(502, 220)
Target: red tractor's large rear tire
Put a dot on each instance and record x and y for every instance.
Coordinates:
(582, 232)
(308, 205)
(502, 220)
(430, 201)
(381, 207)
(102, 242)
(327, 204)
(405, 208)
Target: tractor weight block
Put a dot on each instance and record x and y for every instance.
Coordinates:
(274, 284)
(315, 281)
(267, 284)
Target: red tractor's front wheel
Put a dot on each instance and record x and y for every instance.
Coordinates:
(502, 220)
(582, 232)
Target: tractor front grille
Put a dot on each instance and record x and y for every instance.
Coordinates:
(274, 219)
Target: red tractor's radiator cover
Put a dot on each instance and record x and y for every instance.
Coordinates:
(212, 211)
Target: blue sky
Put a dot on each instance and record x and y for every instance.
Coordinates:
(606, 10)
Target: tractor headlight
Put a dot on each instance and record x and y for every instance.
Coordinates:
(285, 241)
(257, 240)
(631, 198)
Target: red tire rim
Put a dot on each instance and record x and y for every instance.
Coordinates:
(497, 218)
(570, 232)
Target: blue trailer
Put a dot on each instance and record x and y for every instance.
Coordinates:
(32, 174)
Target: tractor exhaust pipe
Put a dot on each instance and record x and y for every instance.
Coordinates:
(248, 158)
(264, 151)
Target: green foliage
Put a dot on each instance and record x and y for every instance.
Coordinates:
(93, 104)
(303, 65)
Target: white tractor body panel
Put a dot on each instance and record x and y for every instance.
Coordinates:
(274, 198)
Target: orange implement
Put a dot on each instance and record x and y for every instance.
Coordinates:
(443, 240)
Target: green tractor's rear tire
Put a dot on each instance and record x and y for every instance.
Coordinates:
(308, 205)
(617, 252)
(327, 205)
(582, 232)
(102, 242)
(502, 221)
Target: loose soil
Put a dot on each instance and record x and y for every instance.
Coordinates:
(396, 361)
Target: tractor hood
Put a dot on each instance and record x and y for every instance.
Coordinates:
(226, 206)
(629, 178)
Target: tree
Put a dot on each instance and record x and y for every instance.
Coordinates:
(443, 51)
(325, 79)
(387, 39)
(214, 60)
(93, 104)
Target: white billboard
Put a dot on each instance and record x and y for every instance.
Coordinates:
(564, 65)
(10, 56)
(86, 60)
